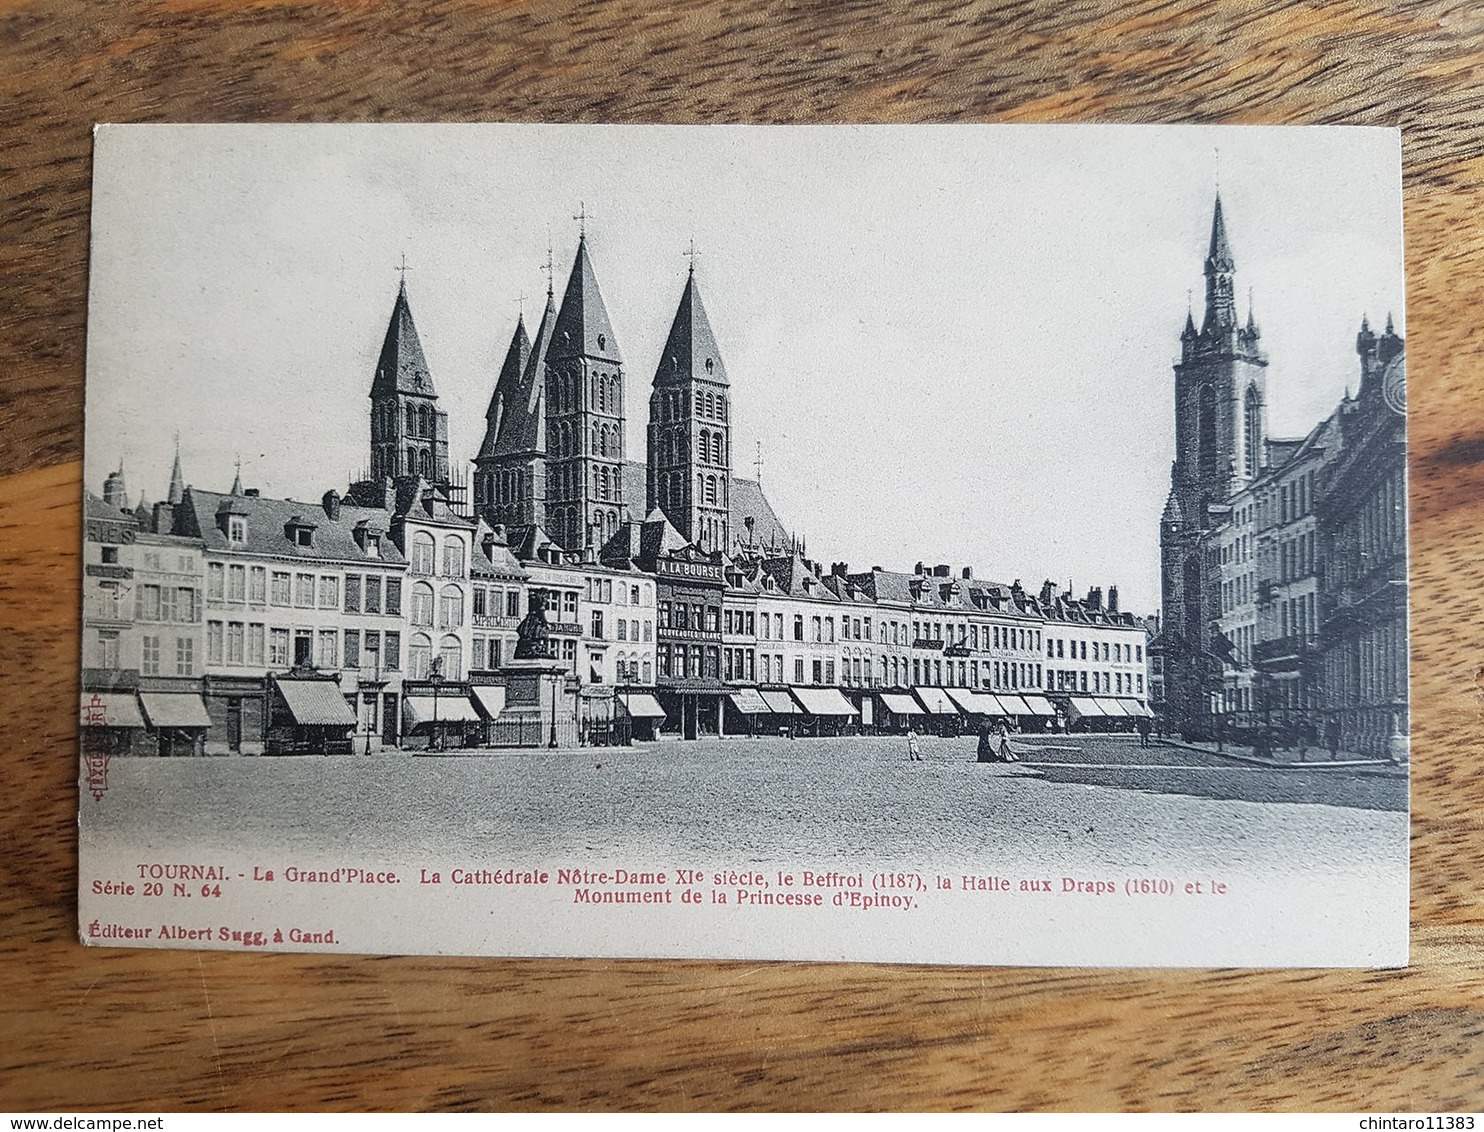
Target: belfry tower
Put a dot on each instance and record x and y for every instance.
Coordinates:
(1220, 446)
(409, 433)
(690, 432)
(584, 415)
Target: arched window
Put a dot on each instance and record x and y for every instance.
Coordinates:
(711, 491)
(411, 461)
(602, 483)
(419, 656)
(704, 446)
(710, 404)
(451, 608)
(1252, 431)
(593, 451)
(716, 453)
(411, 421)
(424, 463)
(421, 611)
(1210, 465)
(453, 557)
(451, 653)
(422, 553)
(613, 391)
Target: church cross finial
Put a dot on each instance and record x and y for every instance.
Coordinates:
(1216, 160)
(549, 267)
(758, 463)
(691, 254)
(520, 304)
(581, 218)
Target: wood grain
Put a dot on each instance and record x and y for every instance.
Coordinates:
(122, 1029)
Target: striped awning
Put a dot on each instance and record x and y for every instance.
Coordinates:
(779, 703)
(490, 698)
(1135, 708)
(641, 705)
(900, 704)
(316, 703)
(1039, 705)
(1111, 708)
(452, 708)
(1083, 708)
(182, 709)
(749, 701)
(1014, 705)
(110, 709)
(976, 703)
(824, 701)
(936, 701)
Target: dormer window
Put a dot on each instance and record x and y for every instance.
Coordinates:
(236, 529)
(373, 546)
(303, 536)
(299, 532)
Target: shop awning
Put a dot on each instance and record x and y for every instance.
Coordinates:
(452, 708)
(1111, 708)
(1039, 705)
(1014, 705)
(110, 709)
(490, 698)
(779, 703)
(824, 701)
(316, 703)
(749, 701)
(1084, 708)
(936, 701)
(899, 704)
(1135, 708)
(184, 709)
(976, 703)
(641, 705)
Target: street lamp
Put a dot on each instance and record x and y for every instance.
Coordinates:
(435, 677)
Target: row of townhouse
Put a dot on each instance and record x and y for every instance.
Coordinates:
(235, 623)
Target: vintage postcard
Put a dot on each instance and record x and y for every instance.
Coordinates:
(957, 544)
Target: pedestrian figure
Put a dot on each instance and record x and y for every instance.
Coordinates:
(1006, 754)
(914, 753)
(986, 747)
(1144, 730)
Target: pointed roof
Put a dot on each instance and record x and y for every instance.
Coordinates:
(402, 368)
(522, 428)
(177, 481)
(1219, 257)
(507, 387)
(690, 353)
(583, 328)
(1173, 512)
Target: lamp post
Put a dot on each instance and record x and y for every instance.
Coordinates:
(435, 677)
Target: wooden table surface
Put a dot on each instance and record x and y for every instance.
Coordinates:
(170, 1030)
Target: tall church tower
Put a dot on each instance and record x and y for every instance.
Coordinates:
(690, 431)
(513, 459)
(409, 433)
(584, 416)
(1220, 446)
(507, 386)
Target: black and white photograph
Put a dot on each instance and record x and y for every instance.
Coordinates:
(919, 544)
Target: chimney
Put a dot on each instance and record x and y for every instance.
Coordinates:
(839, 569)
(968, 573)
(1112, 599)
(1095, 598)
(251, 492)
(164, 518)
(942, 571)
(331, 502)
(919, 569)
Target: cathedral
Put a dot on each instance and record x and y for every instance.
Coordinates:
(554, 451)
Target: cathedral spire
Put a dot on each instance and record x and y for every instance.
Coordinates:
(510, 371)
(690, 352)
(402, 367)
(583, 328)
(237, 479)
(522, 426)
